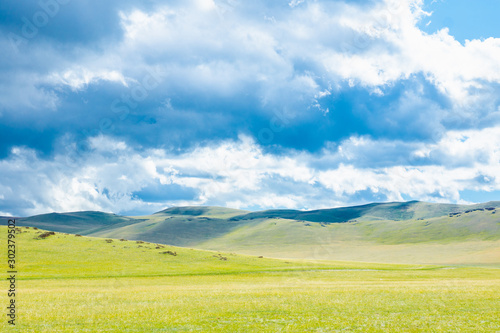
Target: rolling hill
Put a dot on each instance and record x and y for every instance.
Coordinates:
(204, 211)
(86, 222)
(407, 232)
(397, 211)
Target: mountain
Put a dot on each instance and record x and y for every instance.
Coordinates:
(203, 211)
(86, 222)
(406, 232)
(371, 212)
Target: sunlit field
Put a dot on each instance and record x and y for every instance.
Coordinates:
(80, 284)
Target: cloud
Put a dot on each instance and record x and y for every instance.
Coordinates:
(112, 176)
(224, 49)
(253, 62)
(80, 78)
(217, 102)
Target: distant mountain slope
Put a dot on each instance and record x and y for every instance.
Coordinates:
(467, 238)
(175, 230)
(375, 211)
(183, 226)
(408, 232)
(76, 222)
(396, 211)
(203, 211)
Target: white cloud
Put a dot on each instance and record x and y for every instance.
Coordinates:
(205, 5)
(396, 48)
(371, 47)
(240, 174)
(79, 78)
(311, 50)
(295, 3)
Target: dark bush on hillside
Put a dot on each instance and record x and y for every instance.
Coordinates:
(46, 234)
(220, 257)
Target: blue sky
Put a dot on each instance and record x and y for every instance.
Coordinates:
(134, 106)
(465, 20)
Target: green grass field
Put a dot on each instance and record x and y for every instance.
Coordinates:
(82, 284)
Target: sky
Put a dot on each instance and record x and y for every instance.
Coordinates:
(131, 107)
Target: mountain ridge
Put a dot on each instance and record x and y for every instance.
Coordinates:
(202, 210)
(405, 232)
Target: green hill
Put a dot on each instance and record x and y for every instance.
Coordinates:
(469, 238)
(62, 256)
(203, 211)
(407, 232)
(175, 230)
(396, 211)
(85, 222)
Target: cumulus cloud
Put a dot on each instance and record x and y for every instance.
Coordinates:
(287, 63)
(80, 78)
(114, 177)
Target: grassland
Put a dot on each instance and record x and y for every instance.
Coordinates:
(84, 284)
(408, 232)
(472, 239)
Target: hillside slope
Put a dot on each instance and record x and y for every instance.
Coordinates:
(469, 238)
(203, 211)
(175, 230)
(397, 211)
(61, 256)
(410, 232)
(77, 222)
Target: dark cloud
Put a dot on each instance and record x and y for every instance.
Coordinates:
(65, 22)
(212, 86)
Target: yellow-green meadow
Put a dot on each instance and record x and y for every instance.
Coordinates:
(81, 284)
